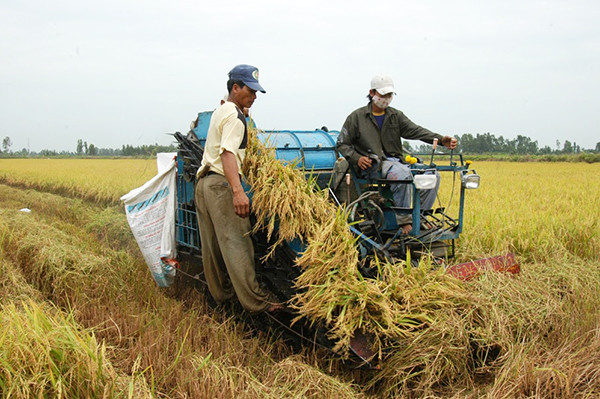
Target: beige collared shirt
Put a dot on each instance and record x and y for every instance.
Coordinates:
(227, 132)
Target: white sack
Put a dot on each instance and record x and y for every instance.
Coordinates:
(163, 160)
(150, 212)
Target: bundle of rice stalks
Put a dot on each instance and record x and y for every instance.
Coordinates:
(425, 310)
(289, 378)
(293, 377)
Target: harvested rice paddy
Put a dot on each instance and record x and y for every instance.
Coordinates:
(82, 317)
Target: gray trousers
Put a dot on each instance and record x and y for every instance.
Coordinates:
(227, 251)
(393, 169)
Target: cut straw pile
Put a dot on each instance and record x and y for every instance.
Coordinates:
(393, 308)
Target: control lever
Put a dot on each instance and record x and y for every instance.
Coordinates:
(435, 143)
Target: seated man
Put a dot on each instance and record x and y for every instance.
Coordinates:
(371, 141)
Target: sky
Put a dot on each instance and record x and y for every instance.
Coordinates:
(130, 72)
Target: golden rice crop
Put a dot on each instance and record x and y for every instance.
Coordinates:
(98, 180)
(540, 211)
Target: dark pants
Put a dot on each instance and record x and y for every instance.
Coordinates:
(227, 251)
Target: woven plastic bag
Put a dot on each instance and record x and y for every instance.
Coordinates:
(150, 213)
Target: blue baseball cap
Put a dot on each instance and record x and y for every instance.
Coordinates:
(247, 74)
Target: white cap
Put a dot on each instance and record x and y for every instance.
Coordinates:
(383, 84)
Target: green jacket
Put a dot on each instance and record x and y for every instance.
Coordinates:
(360, 134)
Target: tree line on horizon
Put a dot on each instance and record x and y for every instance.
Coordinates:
(83, 149)
(485, 143)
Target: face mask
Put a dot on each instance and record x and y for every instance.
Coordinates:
(382, 102)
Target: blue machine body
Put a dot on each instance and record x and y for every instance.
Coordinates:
(315, 152)
(312, 150)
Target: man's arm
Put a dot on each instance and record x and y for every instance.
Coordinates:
(412, 131)
(241, 203)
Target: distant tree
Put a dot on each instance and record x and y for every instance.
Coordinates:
(113, 152)
(466, 142)
(501, 145)
(545, 150)
(488, 143)
(598, 146)
(126, 150)
(567, 147)
(79, 147)
(47, 153)
(524, 145)
(85, 147)
(92, 150)
(6, 143)
(146, 150)
(509, 146)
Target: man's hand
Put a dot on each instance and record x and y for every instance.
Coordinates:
(449, 142)
(364, 162)
(241, 204)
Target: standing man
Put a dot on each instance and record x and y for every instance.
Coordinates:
(371, 141)
(222, 205)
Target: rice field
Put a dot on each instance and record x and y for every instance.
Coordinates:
(95, 180)
(82, 317)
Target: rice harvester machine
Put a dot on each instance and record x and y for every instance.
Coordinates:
(373, 217)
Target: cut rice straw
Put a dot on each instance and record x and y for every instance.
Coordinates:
(331, 291)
